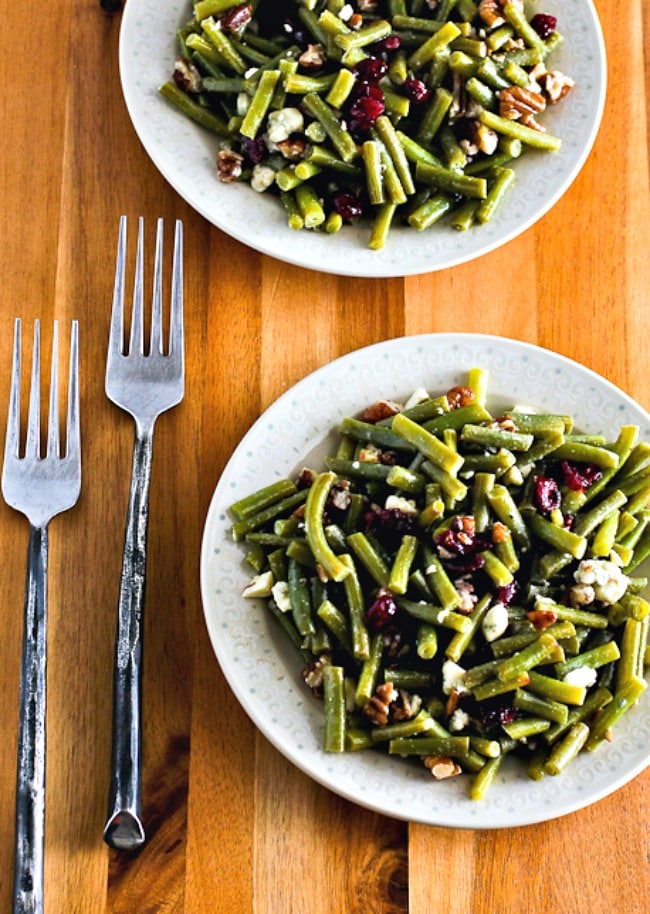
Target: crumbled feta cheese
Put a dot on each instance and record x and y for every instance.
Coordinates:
(495, 622)
(262, 178)
(458, 720)
(250, 72)
(581, 676)
(281, 124)
(243, 103)
(453, 678)
(405, 505)
(523, 408)
(346, 12)
(280, 593)
(260, 585)
(418, 396)
(606, 578)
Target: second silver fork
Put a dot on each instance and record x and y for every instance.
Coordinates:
(144, 382)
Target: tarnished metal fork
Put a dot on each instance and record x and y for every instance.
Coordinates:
(40, 487)
(145, 382)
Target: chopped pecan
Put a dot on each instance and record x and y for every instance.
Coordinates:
(382, 409)
(459, 396)
(441, 767)
(229, 165)
(469, 598)
(234, 19)
(491, 13)
(555, 85)
(313, 674)
(517, 103)
(314, 57)
(377, 710)
(306, 477)
(186, 76)
(499, 532)
(542, 618)
(292, 149)
(405, 706)
(369, 453)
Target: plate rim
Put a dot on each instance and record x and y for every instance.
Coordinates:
(288, 750)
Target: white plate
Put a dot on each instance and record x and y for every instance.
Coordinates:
(185, 155)
(264, 672)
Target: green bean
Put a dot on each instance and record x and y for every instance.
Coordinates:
(538, 706)
(533, 138)
(556, 689)
(367, 34)
(526, 727)
(567, 749)
(309, 205)
(426, 51)
(429, 212)
(334, 701)
(624, 699)
(447, 179)
(461, 640)
(524, 660)
(426, 641)
(259, 104)
(429, 745)
(341, 139)
(560, 538)
(390, 139)
(203, 116)
(591, 705)
(505, 508)
(484, 778)
(514, 14)
(369, 557)
(369, 674)
(317, 497)
(300, 599)
(594, 658)
(381, 225)
(262, 498)
(246, 525)
(439, 581)
(433, 449)
(336, 622)
(399, 573)
(435, 615)
(356, 609)
(504, 178)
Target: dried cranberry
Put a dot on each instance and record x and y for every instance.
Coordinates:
(458, 540)
(416, 90)
(364, 111)
(253, 149)
(547, 494)
(389, 526)
(347, 205)
(371, 69)
(382, 611)
(492, 714)
(390, 43)
(579, 476)
(507, 593)
(544, 24)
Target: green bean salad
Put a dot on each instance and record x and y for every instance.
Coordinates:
(388, 111)
(461, 586)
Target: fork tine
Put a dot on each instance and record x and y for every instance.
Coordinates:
(33, 442)
(12, 440)
(116, 335)
(176, 316)
(156, 316)
(73, 447)
(136, 340)
(53, 445)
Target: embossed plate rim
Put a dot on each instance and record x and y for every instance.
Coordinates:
(263, 671)
(184, 154)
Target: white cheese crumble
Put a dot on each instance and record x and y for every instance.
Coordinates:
(260, 585)
(608, 581)
(495, 622)
(282, 123)
(262, 178)
(458, 720)
(453, 678)
(583, 676)
(405, 505)
(419, 395)
(280, 593)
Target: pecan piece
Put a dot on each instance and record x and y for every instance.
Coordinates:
(542, 618)
(234, 19)
(517, 103)
(382, 409)
(313, 57)
(186, 76)
(229, 165)
(555, 85)
(377, 710)
(441, 767)
(459, 396)
(313, 674)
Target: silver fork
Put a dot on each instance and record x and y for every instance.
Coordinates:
(145, 383)
(40, 487)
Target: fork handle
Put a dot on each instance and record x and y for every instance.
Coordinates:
(30, 777)
(124, 829)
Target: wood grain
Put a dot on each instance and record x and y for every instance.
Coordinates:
(233, 827)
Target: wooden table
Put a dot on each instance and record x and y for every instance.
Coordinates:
(233, 827)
